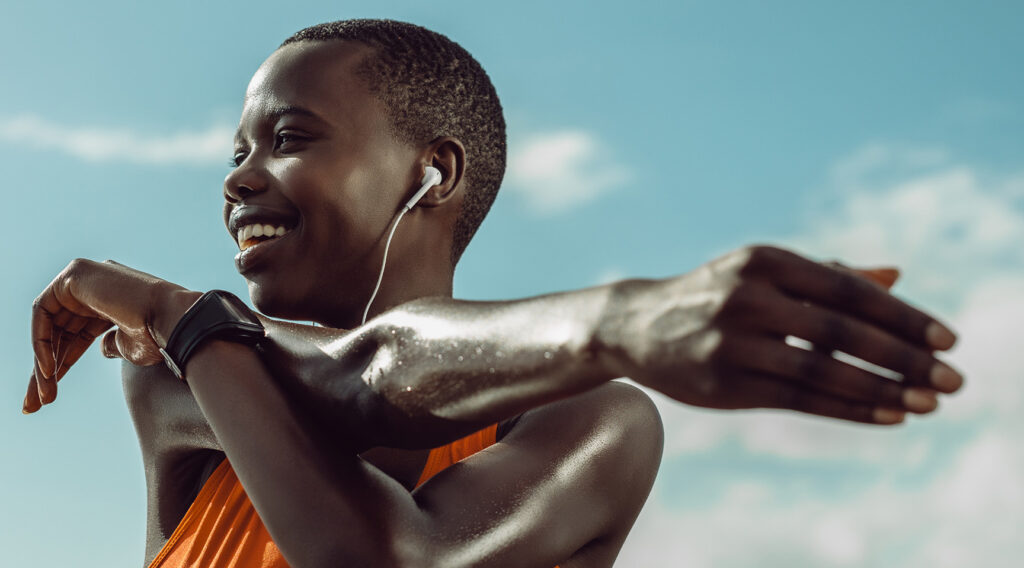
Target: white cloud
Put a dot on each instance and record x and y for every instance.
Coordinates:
(556, 170)
(210, 146)
(969, 515)
(959, 238)
(948, 230)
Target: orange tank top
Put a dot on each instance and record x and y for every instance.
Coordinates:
(222, 530)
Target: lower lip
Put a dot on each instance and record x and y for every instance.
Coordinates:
(252, 257)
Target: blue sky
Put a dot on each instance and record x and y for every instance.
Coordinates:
(645, 139)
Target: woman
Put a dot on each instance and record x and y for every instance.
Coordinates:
(330, 432)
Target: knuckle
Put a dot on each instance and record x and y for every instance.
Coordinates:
(720, 351)
(740, 298)
(833, 332)
(846, 289)
(763, 258)
(749, 300)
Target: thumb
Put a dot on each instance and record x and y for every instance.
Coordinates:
(109, 345)
(884, 277)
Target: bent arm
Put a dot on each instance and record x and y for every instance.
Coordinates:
(329, 508)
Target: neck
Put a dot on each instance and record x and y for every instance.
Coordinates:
(402, 282)
(411, 285)
(418, 266)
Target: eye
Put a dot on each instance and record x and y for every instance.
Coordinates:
(237, 159)
(286, 140)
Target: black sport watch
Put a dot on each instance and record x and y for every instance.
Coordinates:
(216, 314)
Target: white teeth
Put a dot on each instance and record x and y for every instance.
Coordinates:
(260, 230)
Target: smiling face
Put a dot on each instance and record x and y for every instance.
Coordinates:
(317, 165)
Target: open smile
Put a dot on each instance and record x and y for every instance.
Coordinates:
(255, 249)
(254, 234)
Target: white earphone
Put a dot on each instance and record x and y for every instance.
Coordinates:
(431, 177)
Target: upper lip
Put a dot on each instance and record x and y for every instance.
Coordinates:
(251, 214)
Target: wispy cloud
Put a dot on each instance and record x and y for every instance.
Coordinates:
(959, 237)
(968, 515)
(946, 225)
(554, 171)
(99, 144)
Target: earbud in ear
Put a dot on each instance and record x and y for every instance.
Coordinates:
(431, 177)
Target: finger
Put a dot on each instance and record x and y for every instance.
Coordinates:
(884, 277)
(46, 388)
(833, 330)
(136, 352)
(768, 392)
(43, 339)
(817, 371)
(66, 331)
(79, 344)
(851, 294)
(45, 308)
(31, 403)
(109, 345)
(64, 343)
(58, 320)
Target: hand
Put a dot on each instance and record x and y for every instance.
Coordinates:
(716, 337)
(86, 299)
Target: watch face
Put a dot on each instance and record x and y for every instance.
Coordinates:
(237, 307)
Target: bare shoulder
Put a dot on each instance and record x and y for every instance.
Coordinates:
(616, 435)
(564, 486)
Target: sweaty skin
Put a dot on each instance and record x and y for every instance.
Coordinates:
(328, 428)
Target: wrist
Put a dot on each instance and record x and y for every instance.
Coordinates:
(172, 302)
(609, 342)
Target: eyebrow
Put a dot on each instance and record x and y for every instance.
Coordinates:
(275, 114)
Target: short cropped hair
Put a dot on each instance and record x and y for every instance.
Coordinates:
(432, 87)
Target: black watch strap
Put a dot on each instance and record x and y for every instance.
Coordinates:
(216, 314)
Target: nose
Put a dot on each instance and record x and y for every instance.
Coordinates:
(245, 180)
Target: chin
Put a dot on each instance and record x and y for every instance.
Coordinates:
(274, 304)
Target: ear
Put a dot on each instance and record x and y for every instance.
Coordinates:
(448, 155)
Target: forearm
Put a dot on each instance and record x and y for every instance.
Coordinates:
(439, 363)
(321, 504)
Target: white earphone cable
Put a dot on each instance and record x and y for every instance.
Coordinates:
(384, 261)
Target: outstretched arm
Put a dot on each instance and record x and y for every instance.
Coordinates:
(715, 337)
